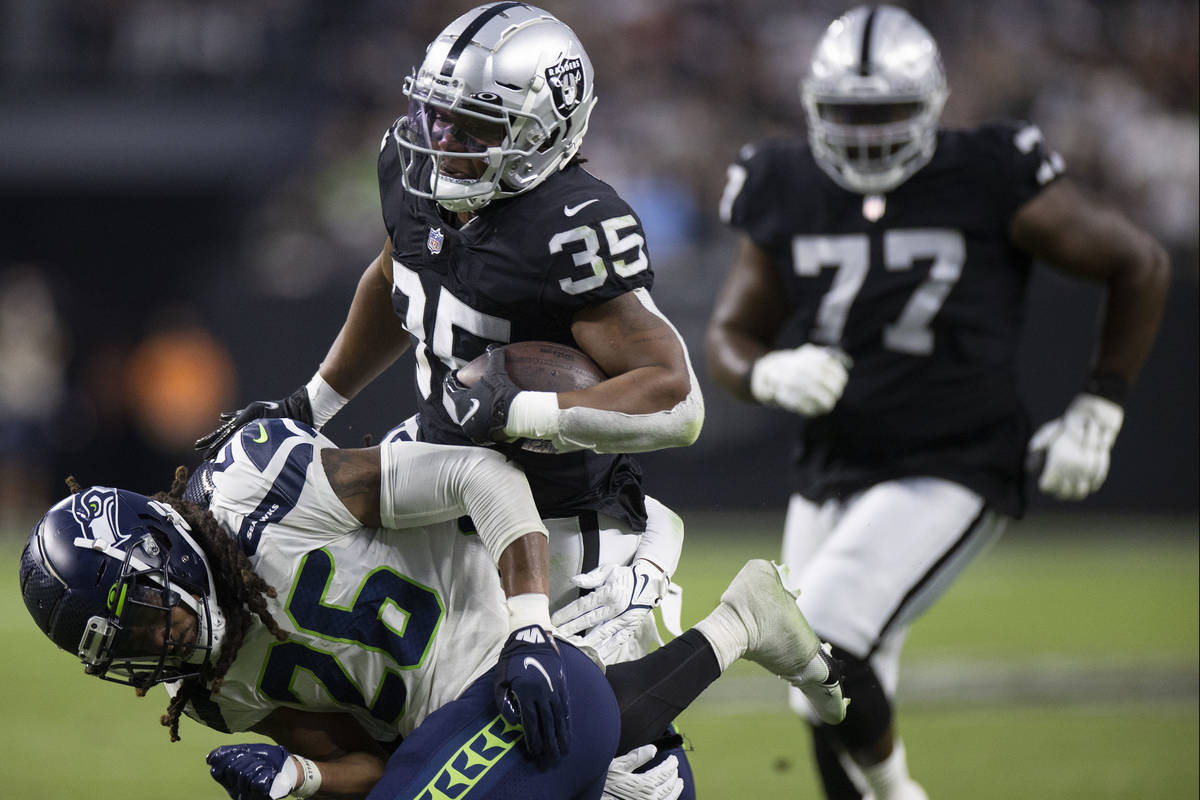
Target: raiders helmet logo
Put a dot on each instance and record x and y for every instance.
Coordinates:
(566, 83)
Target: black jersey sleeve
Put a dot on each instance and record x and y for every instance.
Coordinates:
(588, 241)
(1019, 150)
(764, 187)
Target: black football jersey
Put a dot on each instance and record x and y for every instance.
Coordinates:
(923, 290)
(518, 271)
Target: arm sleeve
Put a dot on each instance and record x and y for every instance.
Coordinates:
(423, 483)
(583, 428)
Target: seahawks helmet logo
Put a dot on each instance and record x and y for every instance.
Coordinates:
(96, 512)
(566, 84)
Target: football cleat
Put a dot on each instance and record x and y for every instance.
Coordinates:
(780, 638)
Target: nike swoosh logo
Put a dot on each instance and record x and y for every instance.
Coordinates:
(530, 661)
(642, 588)
(271, 404)
(571, 211)
(470, 413)
(262, 434)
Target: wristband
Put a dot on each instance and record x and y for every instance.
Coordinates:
(1109, 385)
(533, 415)
(528, 609)
(312, 778)
(324, 400)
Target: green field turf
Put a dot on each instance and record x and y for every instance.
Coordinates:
(1062, 665)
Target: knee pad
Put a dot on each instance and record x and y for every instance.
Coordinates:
(870, 713)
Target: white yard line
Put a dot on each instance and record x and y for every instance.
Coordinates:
(963, 682)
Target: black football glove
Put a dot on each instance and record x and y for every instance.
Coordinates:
(294, 406)
(247, 771)
(482, 410)
(531, 691)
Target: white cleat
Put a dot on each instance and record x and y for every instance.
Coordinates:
(780, 638)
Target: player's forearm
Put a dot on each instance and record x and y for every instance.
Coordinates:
(1136, 297)
(731, 355)
(349, 777)
(644, 390)
(537, 415)
(525, 566)
(525, 576)
(749, 312)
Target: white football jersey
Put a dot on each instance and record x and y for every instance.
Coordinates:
(385, 625)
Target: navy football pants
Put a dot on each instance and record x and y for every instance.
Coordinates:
(465, 751)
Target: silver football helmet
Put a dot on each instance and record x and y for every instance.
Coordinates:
(873, 97)
(500, 102)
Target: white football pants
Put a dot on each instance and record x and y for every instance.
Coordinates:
(869, 565)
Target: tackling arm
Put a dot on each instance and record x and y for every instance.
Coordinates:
(326, 753)
(408, 484)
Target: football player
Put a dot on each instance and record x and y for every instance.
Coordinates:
(329, 599)
(900, 254)
(497, 234)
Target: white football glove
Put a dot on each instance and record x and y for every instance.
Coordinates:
(608, 616)
(821, 682)
(1075, 447)
(808, 380)
(661, 783)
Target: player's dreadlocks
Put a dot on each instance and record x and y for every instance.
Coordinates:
(241, 593)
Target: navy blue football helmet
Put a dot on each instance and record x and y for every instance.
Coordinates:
(104, 575)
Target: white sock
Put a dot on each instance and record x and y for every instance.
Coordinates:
(726, 633)
(889, 779)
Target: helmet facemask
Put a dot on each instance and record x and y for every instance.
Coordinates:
(459, 135)
(140, 641)
(872, 146)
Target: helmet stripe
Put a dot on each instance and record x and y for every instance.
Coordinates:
(468, 34)
(864, 64)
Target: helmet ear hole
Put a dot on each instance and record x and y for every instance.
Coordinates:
(549, 143)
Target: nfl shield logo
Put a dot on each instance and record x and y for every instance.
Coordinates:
(873, 207)
(434, 242)
(566, 84)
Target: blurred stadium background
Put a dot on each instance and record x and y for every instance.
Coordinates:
(187, 199)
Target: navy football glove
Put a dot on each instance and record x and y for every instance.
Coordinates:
(294, 406)
(531, 690)
(247, 771)
(482, 410)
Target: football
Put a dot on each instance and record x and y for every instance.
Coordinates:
(541, 367)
